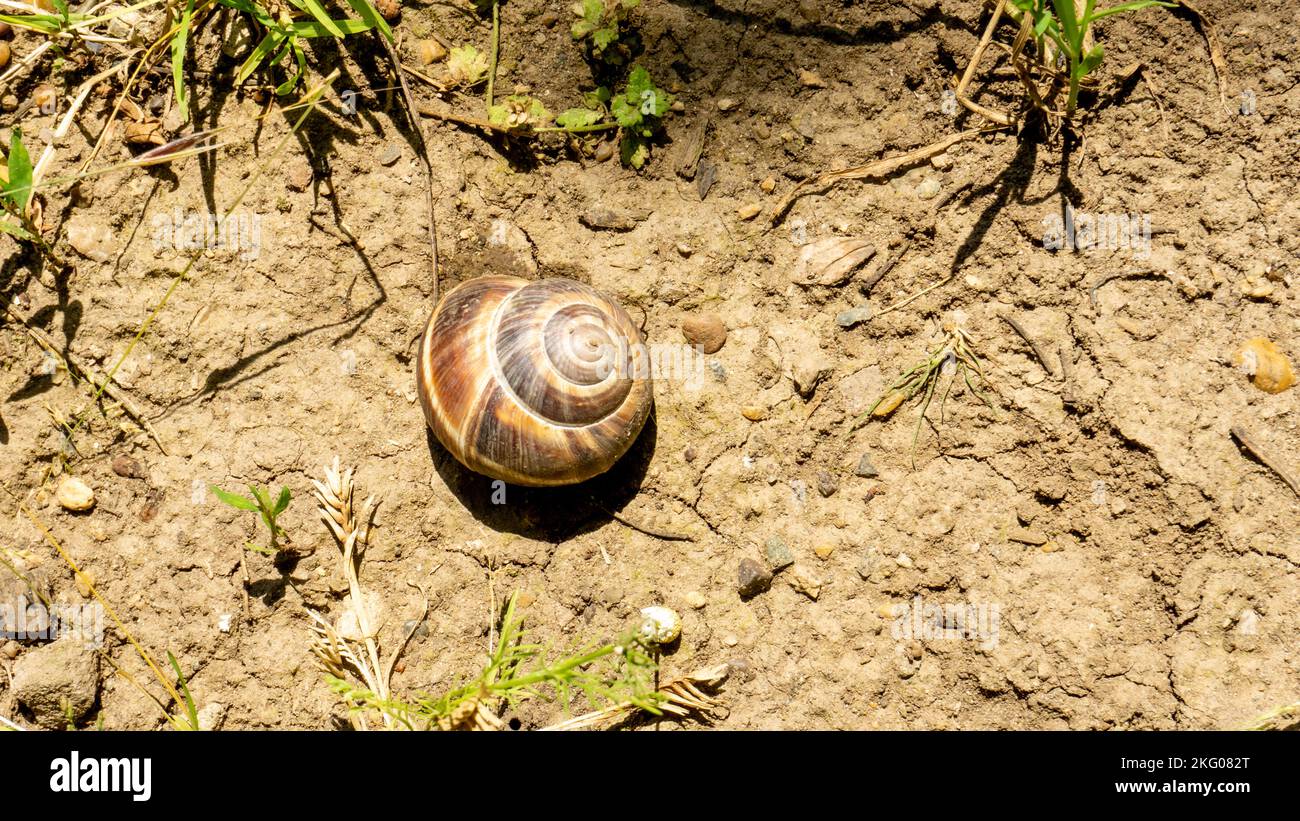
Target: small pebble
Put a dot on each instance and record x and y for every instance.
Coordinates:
(906, 668)
(127, 468)
(1027, 536)
(685, 250)
(730, 640)
(223, 622)
(695, 600)
(660, 625)
(727, 103)
(1050, 547)
(778, 555)
(865, 469)
(706, 331)
(824, 551)
(827, 484)
(811, 79)
(10, 649)
(74, 494)
(805, 582)
(752, 578)
(602, 218)
(851, 317)
(748, 212)
(768, 185)
(808, 372)
(689, 454)
(866, 567)
(740, 668)
(391, 155)
(903, 560)
(85, 581)
(430, 51)
(928, 189)
(1051, 489)
(941, 162)
(754, 413)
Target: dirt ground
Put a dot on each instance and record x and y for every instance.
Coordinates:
(1141, 569)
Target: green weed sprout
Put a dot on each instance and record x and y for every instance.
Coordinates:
(604, 27)
(269, 511)
(16, 191)
(638, 110)
(1061, 23)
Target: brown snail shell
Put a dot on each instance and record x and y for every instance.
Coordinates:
(535, 383)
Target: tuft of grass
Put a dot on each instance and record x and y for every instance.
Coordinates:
(955, 356)
(614, 676)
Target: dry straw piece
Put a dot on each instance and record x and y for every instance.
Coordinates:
(349, 647)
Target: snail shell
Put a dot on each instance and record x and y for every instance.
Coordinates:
(535, 383)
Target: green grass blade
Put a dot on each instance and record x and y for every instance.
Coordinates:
(1134, 5)
(20, 171)
(179, 44)
(233, 499)
(16, 231)
(191, 712)
(269, 43)
(313, 29)
(1069, 25)
(316, 10)
(371, 17)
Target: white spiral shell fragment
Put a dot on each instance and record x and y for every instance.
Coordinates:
(660, 625)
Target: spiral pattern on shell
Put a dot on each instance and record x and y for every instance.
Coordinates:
(535, 383)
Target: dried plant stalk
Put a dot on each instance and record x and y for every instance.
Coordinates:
(341, 654)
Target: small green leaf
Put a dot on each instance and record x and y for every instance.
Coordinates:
(282, 503)
(637, 82)
(265, 551)
(603, 37)
(578, 118)
(20, 171)
(633, 151)
(466, 64)
(627, 114)
(233, 499)
(17, 231)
